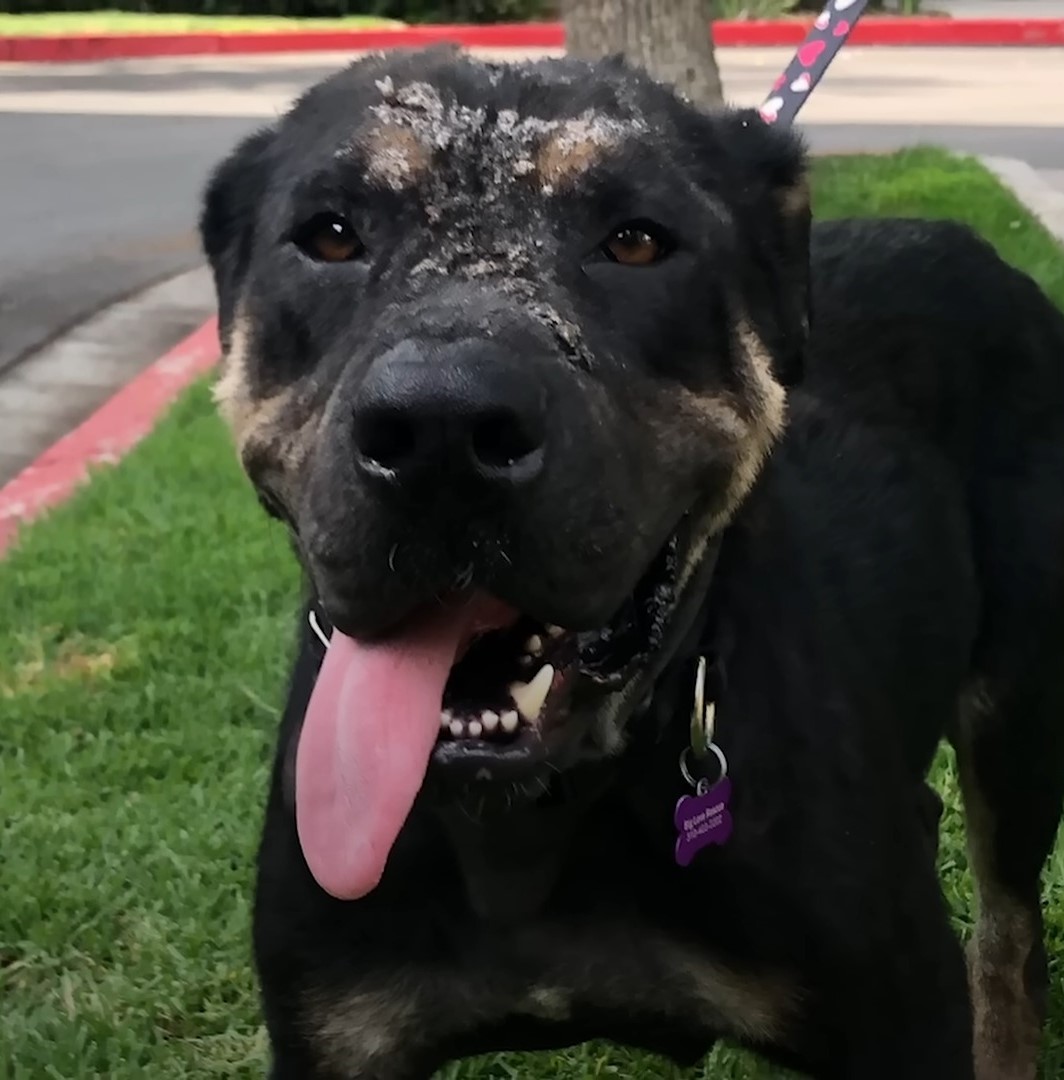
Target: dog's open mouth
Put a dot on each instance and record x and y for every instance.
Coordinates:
(471, 683)
(509, 682)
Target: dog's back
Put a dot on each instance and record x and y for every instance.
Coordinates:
(920, 325)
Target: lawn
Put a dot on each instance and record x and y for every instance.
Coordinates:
(147, 625)
(135, 22)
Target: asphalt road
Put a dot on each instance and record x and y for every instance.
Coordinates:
(95, 207)
(101, 165)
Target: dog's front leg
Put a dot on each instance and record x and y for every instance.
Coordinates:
(914, 1019)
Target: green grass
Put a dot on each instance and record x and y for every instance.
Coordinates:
(142, 658)
(133, 22)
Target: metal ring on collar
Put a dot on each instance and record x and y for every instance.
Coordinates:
(685, 770)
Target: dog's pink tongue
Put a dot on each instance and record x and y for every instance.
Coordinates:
(367, 737)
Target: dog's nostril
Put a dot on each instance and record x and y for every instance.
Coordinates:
(502, 439)
(385, 437)
(460, 415)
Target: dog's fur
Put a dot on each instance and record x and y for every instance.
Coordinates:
(890, 572)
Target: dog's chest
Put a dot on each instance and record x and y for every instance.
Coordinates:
(603, 975)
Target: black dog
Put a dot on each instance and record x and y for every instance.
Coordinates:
(521, 356)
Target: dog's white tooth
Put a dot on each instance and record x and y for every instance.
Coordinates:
(555, 631)
(529, 697)
(457, 728)
(445, 720)
(534, 645)
(474, 729)
(509, 721)
(489, 720)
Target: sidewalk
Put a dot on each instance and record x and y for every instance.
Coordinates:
(999, 9)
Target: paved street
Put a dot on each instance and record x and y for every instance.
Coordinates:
(102, 164)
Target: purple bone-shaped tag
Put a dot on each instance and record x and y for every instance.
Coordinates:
(702, 820)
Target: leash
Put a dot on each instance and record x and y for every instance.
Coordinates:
(829, 32)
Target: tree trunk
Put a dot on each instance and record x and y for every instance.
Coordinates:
(669, 38)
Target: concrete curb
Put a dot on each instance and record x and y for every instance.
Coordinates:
(1040, 197)
(871, 30)
(107, 435)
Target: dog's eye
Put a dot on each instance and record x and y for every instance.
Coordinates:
(638, 243)
(329, 238)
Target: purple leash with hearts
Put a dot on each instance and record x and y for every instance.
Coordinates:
(827, 35)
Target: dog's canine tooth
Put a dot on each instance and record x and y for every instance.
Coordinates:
(529, 697)
(509, 721)
(445, 720)
(457, 728)
(534, 645)
(474, 729)
(489, 720)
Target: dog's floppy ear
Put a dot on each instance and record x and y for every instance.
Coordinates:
(764, 170)
(227, 218)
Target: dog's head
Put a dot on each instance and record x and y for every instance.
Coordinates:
(505, 346)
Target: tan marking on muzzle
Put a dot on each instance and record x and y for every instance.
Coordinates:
(272, 435)
(749, 424)
(747, 428)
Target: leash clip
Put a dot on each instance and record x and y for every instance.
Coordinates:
(703, 716)
(703, 726)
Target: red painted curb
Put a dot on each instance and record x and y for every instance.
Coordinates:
(872, 30)
(110, 432)
(887, 30)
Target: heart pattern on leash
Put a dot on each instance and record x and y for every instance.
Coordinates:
(813, 57)
(770, 110)
(809, 52)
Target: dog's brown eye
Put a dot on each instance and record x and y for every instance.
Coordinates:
(329, 238)
(634, 245)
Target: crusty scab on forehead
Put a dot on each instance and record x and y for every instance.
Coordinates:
(415, 122)
(395, 157)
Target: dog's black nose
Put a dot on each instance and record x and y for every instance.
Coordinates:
(463, 413)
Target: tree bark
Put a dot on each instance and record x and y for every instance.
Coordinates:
(668, 38)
